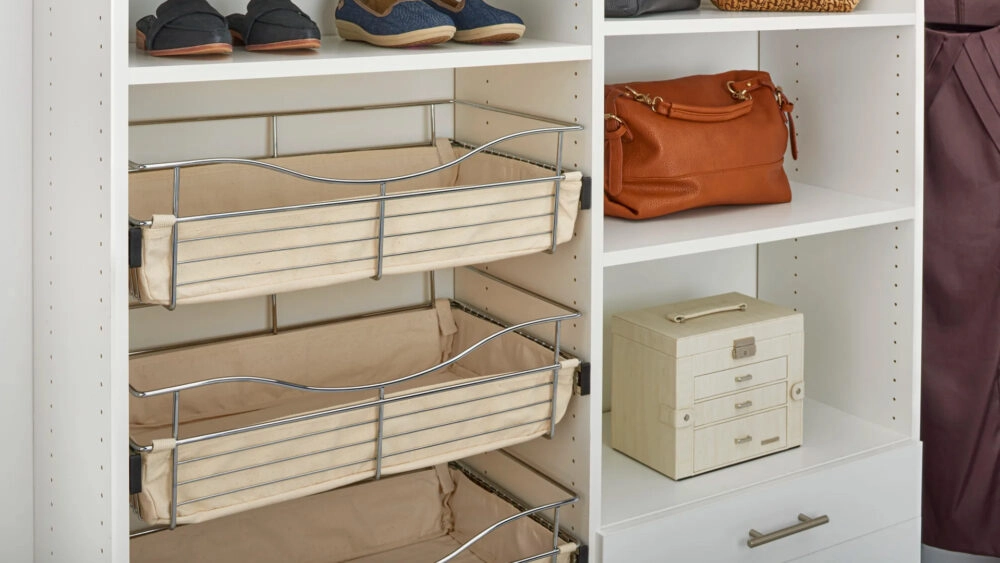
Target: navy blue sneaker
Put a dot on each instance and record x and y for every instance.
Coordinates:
(392, 23)
(478, 22)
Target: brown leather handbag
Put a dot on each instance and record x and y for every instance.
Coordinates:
(694, 142)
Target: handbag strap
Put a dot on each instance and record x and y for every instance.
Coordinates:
(615, 131)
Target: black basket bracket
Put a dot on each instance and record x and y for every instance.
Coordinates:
(583, 379)
(586, 194)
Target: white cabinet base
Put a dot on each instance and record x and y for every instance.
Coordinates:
(859, 497)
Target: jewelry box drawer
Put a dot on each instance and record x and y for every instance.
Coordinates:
(857, 497)
(739, 378)
(740, 404)
(740, 439)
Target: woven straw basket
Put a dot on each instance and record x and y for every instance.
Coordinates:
(787, 5)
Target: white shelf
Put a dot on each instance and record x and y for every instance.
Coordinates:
(708, 19)
(632, 491)
(344, 57)
(812, 211)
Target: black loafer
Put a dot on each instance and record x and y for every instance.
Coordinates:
(274, 25)
(183, 27)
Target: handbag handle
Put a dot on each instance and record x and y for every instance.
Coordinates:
(704, 114)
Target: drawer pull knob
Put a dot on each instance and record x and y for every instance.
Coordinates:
(744, 405)
(743, 440)
(744, 378)
(805, 523)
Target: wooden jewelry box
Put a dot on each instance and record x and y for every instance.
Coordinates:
(707, 383)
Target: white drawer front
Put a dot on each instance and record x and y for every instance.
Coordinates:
(740, 404)
(740, 439)
(737, 379)
(896, 544)
(859, 497)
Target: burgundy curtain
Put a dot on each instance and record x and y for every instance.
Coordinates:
(960, 415)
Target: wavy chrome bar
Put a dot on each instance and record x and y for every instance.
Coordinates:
(324, 180)
(372, 386)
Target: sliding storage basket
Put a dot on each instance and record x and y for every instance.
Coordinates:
(208, 230)
(437, 514)
(221, 427)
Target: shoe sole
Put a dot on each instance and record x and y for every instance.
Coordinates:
(206, 49)
(417, 38)
(276, 46)
(499, 33)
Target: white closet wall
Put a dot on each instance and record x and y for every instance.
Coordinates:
(80, 273)
(15, 286)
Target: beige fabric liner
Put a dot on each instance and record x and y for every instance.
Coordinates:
(416, 517)
(380, 349)
(256, 243)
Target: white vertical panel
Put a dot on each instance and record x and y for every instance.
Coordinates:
(80, 273)
(855, 291)
(915, 244)
(855, 107)
(15, 286)
(596, 276)
(555, 20)
(554, 90)
(558, 91)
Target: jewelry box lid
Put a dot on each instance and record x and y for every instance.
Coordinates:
(710, 323)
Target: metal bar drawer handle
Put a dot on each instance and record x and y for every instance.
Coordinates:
(744, 404)
(805, 523)
(743, 440)
(681, 317)
(742, 378)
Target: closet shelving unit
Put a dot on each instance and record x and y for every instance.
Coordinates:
(846, 252)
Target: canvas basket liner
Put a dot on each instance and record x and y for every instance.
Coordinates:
(234, 257)
(418, 432)
(416, 517)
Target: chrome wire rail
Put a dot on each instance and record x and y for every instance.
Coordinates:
(553, 127)
(376, 404)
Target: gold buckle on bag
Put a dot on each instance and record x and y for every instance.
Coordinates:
(644, 98)
(738, 95)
